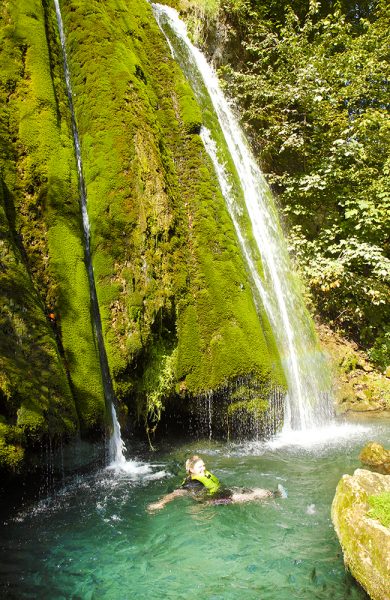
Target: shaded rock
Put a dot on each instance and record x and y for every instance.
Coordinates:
(365, 541)
(376, 457)
(363, 405)
(358, 386)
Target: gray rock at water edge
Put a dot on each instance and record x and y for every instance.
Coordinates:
(365, 541)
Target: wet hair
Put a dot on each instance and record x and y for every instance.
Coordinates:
(191, 462)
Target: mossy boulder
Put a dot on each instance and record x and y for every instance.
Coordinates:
(365, 540)
(376, 457)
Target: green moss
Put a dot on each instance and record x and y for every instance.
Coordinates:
(165, 254)
(361, 540)
(50, 371)
(380, 508)
(172, 288)
(248, 401)
(189, 347)
(33, 382)
(74, 322)
(157, 385)
(11, 450)
(255, 407)
(190, 112)
(349, 363)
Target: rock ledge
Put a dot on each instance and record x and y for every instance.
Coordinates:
(365, 541)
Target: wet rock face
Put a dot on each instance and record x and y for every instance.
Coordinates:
(376, 457)
(364, 540)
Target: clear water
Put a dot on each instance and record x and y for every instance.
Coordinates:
(95, 539)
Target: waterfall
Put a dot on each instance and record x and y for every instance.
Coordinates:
(116, 446)
(247, 195)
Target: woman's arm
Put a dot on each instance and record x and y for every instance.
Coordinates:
(165, 499)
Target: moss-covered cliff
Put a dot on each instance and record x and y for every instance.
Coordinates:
(174, 296)
(172, 287)
(311, 83)
(50, 378)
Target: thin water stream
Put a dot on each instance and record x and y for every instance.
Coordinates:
(116, 447)
(247, 195)
(94, 538)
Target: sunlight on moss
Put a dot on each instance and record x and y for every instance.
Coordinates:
(380, 508)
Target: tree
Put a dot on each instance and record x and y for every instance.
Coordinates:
(313, 96)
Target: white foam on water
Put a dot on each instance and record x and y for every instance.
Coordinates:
(138, 470)
(315, 440)
(114, 476)
(328, 435)
(131, 467)
(157, 475)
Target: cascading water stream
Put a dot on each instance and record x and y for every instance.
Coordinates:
(306, 371)
(116, 445)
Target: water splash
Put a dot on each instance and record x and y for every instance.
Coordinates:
(330, 435)
(319, 440)
(308, 399)
(116, 446)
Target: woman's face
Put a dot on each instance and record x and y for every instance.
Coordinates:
(199, 467)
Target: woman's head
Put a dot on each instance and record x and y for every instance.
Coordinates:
(195, 465)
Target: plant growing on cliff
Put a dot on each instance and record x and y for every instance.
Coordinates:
(159, 384)
(380, 508)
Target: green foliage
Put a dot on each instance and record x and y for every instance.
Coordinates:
(200, 9)
(311, 84)
(11, 450)
(157, 385)
(380, 508)
(380, 352)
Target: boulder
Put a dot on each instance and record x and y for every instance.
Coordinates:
(376, 457)
(364, 540)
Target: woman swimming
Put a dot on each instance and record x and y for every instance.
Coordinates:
(204, 485)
